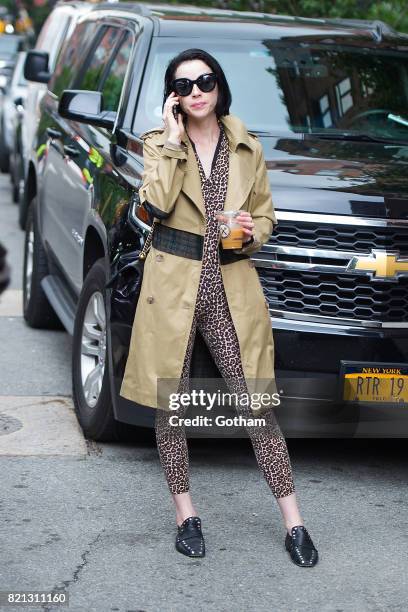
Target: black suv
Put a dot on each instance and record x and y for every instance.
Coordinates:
(328, 100)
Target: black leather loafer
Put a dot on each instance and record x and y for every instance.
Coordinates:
(189, 539)
(300, 547)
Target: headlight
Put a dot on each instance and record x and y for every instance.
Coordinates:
(134, 215)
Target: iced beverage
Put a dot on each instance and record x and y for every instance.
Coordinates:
(231, 231)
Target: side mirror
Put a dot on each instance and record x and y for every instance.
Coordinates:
(85, 107)
(36, 67)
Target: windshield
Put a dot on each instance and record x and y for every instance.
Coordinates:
(282, 87)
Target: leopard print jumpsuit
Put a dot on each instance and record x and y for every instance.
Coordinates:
(213, 318)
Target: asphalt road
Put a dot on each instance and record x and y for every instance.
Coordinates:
(96, 520)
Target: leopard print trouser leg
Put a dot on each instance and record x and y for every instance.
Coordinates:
(171, 439)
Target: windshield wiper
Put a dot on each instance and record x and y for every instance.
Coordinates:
(357, 137)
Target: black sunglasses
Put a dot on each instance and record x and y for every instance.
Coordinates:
(184, 87)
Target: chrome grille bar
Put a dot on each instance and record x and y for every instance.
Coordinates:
(339, 219)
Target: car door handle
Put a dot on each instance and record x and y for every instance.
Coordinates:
(54, 133)
(71, 151)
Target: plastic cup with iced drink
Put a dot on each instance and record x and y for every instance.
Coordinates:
(231, 232)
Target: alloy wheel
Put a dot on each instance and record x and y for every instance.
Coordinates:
(29, 262)
(93, 348)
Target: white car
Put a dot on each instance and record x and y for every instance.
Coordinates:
(12, 109)
(55, 31)
(10, 48)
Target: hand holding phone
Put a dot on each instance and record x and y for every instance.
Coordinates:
(173, 118)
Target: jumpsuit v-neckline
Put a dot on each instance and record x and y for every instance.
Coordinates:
(215, 156)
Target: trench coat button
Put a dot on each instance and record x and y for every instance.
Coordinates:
(150, 299)
(159, 257)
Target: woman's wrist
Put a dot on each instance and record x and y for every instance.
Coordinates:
(173, 142)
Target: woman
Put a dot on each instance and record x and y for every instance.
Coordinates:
(201, 162)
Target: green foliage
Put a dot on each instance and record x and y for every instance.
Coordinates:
(38, 14)
(393, 12)
(9, 4)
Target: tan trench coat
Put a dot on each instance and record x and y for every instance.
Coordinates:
(164, 314)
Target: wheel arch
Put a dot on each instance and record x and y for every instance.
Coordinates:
(31, 185)
(94, 249)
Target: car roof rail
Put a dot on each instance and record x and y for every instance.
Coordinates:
(140, 8)
(378, 27)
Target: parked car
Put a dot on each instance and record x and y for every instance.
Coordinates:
(5, 271)
(11, 113)
(10, 47)
(328, 102)
(56, 29)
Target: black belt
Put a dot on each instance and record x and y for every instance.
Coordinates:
(186, 244)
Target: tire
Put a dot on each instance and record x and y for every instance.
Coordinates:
(23, 207)
(11, 168)
(16, 193)
(37, 310)
(13, 176)
(90, 370)
(4, 153)
(93, 406)
(18, 180)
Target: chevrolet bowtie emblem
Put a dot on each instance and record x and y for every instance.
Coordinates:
(384, 265)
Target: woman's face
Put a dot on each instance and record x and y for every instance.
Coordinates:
(198, 103)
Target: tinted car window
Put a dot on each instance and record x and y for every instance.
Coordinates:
(52, 33)
(72, 56)
(91, 78)
(297, 87)
(113, 81)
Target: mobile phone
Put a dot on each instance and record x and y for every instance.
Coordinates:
(176, 111)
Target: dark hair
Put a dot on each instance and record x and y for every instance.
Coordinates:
(224, 93)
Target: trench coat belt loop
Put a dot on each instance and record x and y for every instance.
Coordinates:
(187, 244)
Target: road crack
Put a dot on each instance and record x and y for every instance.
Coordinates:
(75, 576)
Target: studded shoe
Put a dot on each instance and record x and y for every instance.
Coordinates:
(300, 547)
(189, 539)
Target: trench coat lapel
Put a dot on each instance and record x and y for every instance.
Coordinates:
(241, 176)
(192, 181)
(240, 181)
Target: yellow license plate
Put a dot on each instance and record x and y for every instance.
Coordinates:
(385, 383)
